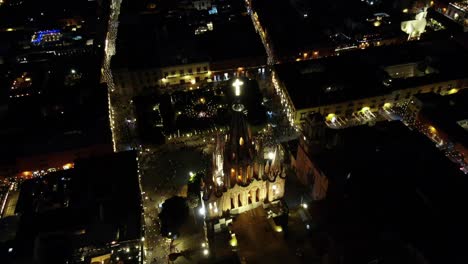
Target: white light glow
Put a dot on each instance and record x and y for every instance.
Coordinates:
(201, 211)
(271, 155)
(237, 84)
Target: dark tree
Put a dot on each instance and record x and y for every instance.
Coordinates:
(193, 190)
(173, 215)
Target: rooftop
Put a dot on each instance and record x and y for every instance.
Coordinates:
(362, 74)
(198, 110)
(462, 5)
(308, 24)
(446, 112)
(65, 108)
(89, 206)
(180, 36)
(390, 178)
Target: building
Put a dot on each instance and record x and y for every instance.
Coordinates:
(352, 88)
(46, 130)
(53, 109)
(246, 173)
(442, 119)
(202, 4)
(458, 12)
(390, 193)
(336, 29)
(194, 114)
(180, 47)
(86, 214)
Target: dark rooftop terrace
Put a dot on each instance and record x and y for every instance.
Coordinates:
(361, 74)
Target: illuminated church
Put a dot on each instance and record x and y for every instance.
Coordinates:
(245, 174)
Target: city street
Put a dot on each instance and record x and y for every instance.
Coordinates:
(165, 173)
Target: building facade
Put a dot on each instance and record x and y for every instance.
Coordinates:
(358, 111)
(135, 81)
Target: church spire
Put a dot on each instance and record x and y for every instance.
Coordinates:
(239, 151)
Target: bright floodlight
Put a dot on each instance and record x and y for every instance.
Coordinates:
(237, 84)
(73, 71)
(201, 211)
(304, 205)
(205, 252)
(271, 155)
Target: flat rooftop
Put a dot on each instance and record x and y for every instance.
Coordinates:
(361, 74)
(303, 25)
(60, 112)
(168, 37)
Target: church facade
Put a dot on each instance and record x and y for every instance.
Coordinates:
(245, 173)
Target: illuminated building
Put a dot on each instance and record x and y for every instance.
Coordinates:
(46, 37)
(414, 28)
(180, 56)
(202, 4)
(442, 119)
(134, 82)
(458, 12)
(246, 173)
(353, 88)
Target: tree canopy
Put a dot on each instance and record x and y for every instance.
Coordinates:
(173, 215)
